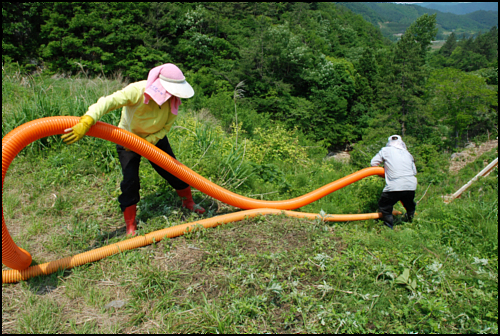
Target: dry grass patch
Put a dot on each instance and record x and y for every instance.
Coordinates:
(250, 236)
(69, 304)
(460, 160)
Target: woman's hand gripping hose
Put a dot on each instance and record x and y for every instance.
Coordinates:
(78, 131)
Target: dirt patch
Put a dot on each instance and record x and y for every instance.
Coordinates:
(341, 156)
(248, 237)
(276, 236)
(74, 312)
(259, 244)
(80, 314)
(460, 160)
(186, 262)
(183, 256)
(340, 245)
(9, 316)
(201, 266)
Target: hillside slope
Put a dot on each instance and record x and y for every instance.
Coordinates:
(461, 8)
(393, 19)
(460, 160)
(488, 18)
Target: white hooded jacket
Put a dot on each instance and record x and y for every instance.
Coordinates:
(399, 165)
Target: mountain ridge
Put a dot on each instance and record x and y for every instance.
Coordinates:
(460, 8)
(393, 19)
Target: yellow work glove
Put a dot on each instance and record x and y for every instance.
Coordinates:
(78, 131)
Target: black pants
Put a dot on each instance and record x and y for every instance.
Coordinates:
(388, 199)
(130, 169)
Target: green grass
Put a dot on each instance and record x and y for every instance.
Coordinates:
(272, 274)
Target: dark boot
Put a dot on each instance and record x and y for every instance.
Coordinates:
(408, 217)
(388, 220)
(129, 215)
(187, 200)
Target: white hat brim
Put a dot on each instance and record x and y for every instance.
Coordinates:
(179, 89)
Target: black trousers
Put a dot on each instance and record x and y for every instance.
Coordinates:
(388, 199)
(130, 185)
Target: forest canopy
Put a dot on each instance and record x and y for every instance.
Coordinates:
(316, 67)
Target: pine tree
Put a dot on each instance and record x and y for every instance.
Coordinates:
(21, 23)
(404, 86)
(449, 45)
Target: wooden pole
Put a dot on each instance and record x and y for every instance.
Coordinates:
(485, 172)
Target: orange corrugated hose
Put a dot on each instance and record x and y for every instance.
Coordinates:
(19, 259)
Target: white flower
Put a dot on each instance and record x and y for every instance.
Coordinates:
(275, 287)
(435, 267)
(483, 262)
(321, 257)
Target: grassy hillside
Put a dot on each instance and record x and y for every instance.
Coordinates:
(438, 274)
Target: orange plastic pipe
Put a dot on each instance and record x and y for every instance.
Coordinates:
(19, 259)
(10, 276)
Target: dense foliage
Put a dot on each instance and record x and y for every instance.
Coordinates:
(316, 67)
(470, 54)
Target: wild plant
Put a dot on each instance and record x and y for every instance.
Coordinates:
(237, 94)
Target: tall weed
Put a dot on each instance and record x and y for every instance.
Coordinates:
(206, 148)
(40, 97)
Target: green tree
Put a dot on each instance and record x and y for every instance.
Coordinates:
(332, 83)
(403, 87)
(312, 65)
(21, 31)
(463, 102)
(368, 69)
(449, 45)
(98, 37)
(469, 54)
(467, 60)
(160, 25)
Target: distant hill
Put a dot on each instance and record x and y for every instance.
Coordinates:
(393, 19)
(461, 8)
(488, 18)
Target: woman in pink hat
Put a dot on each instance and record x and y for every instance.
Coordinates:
(149, 109)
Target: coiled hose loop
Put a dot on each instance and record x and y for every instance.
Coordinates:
(19, 260)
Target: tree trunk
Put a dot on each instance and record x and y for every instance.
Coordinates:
(403, 112)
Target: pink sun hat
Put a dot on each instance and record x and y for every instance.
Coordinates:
(167, 81)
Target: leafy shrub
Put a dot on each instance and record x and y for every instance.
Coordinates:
(368, 191)
(371, 144)
(270, 173)
(277, 144)
(205, 147)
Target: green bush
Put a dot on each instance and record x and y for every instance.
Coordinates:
(277, 144)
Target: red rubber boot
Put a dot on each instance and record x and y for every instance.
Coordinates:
(129, 215)
(187, 200)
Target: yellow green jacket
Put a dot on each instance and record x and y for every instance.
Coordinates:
(149, 121)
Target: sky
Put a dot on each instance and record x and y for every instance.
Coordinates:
(421, 2)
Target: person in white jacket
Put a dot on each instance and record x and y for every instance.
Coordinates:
(400, 179)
